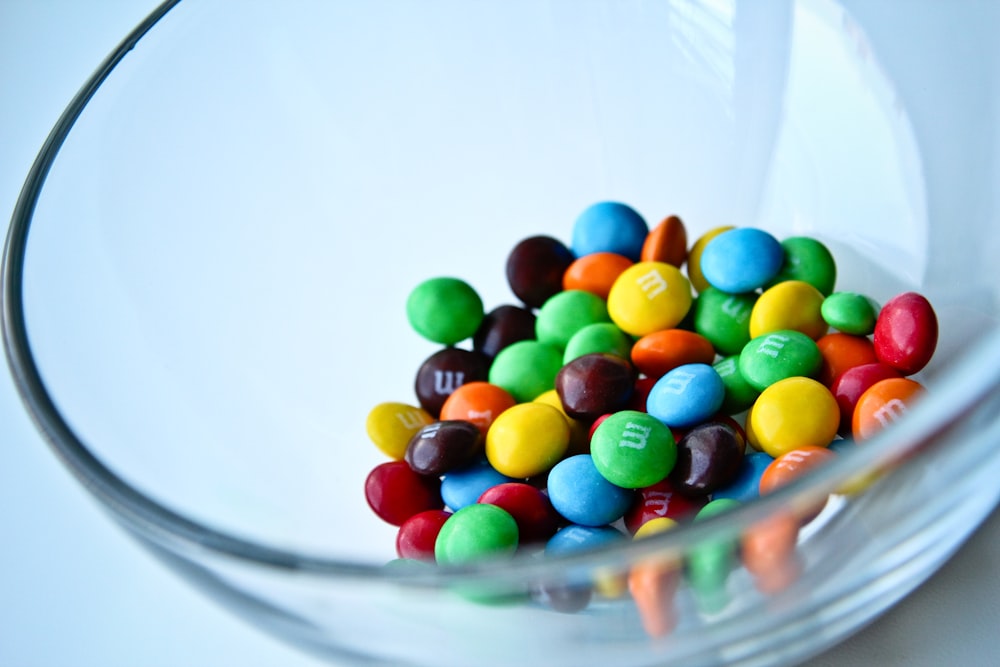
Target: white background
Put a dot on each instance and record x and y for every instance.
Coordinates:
(74, 590)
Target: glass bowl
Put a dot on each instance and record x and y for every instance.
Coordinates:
(205, 278)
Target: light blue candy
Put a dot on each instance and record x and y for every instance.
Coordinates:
(746, 486)
(609, 227)
(575, 537)
(741, 260)
(463, 486)
(581, 495)
(686, 396)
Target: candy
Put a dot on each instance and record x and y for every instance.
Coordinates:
(390, 426)
(444, 445)
(694, 257)
(598, 337)
(536, 519)
(444, 372)
(657, 353)
(475, 532)
(746, 486)
(739, 394)
(741, 260)
(583, 496)
(686, 396)
(906, 333)
(565, 313)
(882, 404)
(808, 260)
(501, 327)
(709, 457)
(791, 465)
(841, 352)
(595, 384)
(477, 402)
(790, 305)
(793, 413)
(526, 369)
(575, 537)
(666, 242)
(724, 319)
(850, 313)
(416, 536)
(633, 449)
(579, 433)
(444, 310)
(595, 273)
(395, 492)
(852, 383)
(527, 440)
(609, 227)
(661, 500)
(649, 296)
(463, 486)
(779, 355)
(653, 584)
(535, 268)
(711, 561)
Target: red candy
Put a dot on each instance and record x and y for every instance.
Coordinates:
(417, 535)
(906, 333)
(395, 492)
(661, 500)
(536, 519)
(853, 382)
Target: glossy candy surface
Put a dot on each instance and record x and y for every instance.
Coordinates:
(741, 260)
(463, 486)
(778, 355)
(595, 384)
(746, 486)
(536, 519)
(526, 369)
(649, 296)
(444, 310)
(840, 352)
(395, 492)
(417, 535)
(793, 413)
(739, 394)
(882, 404)
(501, 327)
(443, 372)
(583, 496)
(661, 500)
(809, 260)
(792, 465)
(906, 333)
(390, 426)
(850, 313)
(535, 267)
(595, 273)
(609, 227)
(852, 383)
(477, 402)
(686, 396)
(598, 337)
(565, 313)
(575, 537)
(792, 304)
(633, 449)
(666, 242)
(476, 532)
(662, 351)
(527, 440)
(444, 445)
(694, 271)
(709, 457)
(724, 319)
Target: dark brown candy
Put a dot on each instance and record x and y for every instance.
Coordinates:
(595, 384)
(445, 371)
(442, 446)
(535, 269)
(501, 327)
(709, 457)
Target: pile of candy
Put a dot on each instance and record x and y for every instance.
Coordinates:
(624, 395)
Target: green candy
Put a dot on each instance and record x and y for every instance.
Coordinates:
(850, 313)
(632, 449)
(739, 394)
(598, 337)
(724, 319)
(711, 561)
(808, 260)
(565, 313)
(475, 532)
(526, 369)
(444, 310)
(778, 355)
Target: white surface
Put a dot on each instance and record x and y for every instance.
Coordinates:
(76, 591)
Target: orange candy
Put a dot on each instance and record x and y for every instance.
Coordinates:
(477, 402)
(768, 552)
(658, 353)
(667, 242)
(841, 351)
(595, 273)
(882, 404)
(787, 467)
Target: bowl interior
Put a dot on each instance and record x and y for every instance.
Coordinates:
(217, 269)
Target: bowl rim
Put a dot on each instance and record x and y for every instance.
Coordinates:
(960, 388)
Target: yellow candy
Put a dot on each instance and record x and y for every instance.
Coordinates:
(694, 257)
(391, 425)
(648, 297)
(792, 304)
(793, 413)
(527, 439)
(579, 433)
(653, 526)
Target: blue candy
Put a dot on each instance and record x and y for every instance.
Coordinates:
(581, 495)
(741, 260)
(686, 396)
(463, 486)
(575, 538)
(609, 227)
(746, 486)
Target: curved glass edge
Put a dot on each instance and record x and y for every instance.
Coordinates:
(961, 389)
